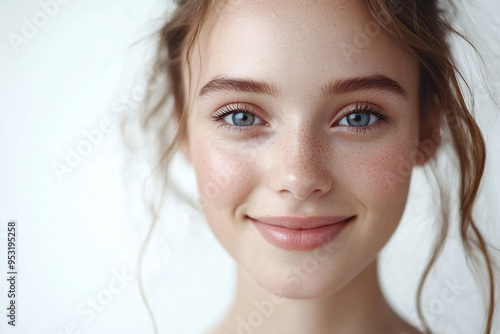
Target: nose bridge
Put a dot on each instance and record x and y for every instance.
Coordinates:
(303, 145)
(302, 162)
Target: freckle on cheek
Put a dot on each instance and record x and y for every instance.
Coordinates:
(380, 173)
(223, 177)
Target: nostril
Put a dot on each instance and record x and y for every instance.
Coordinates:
(305, 187)
(301, 169)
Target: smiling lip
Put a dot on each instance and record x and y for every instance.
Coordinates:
(300, 233)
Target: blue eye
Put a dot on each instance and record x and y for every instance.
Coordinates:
(237, 117)
(362, 117)
(241, 119)
(359, 119)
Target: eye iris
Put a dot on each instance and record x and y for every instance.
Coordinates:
(358, 119)
(243, 119)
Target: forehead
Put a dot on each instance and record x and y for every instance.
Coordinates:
(287, 42)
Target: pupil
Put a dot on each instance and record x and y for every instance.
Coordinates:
(358, 119)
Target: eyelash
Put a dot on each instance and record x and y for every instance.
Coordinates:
(358, 108)
(366, 108)
(232, 109)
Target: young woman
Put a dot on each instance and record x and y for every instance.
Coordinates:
(303, 121)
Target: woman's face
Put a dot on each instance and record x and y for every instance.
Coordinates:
(302, 116)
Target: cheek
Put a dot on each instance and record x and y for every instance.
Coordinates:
(375, 179)
(378, 174)
(379, 180)
(224, 177)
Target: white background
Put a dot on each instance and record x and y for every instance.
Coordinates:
(78, 233)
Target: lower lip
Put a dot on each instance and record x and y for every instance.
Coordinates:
(300, 240)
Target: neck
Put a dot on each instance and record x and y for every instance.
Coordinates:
(358, 307)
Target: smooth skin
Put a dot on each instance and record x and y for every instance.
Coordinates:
(290, 149)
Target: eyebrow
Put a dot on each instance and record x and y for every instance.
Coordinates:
(222, 83)
(377, 82)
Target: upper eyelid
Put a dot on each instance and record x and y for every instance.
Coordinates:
(240, 107)
(359, 105)
(339, 115)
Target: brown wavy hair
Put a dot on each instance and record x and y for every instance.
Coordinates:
(420, 26)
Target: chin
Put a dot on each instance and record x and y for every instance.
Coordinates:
(293, 287)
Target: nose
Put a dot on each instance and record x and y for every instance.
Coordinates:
(301, 164)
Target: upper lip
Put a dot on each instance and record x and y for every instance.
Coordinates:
(300, 223)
